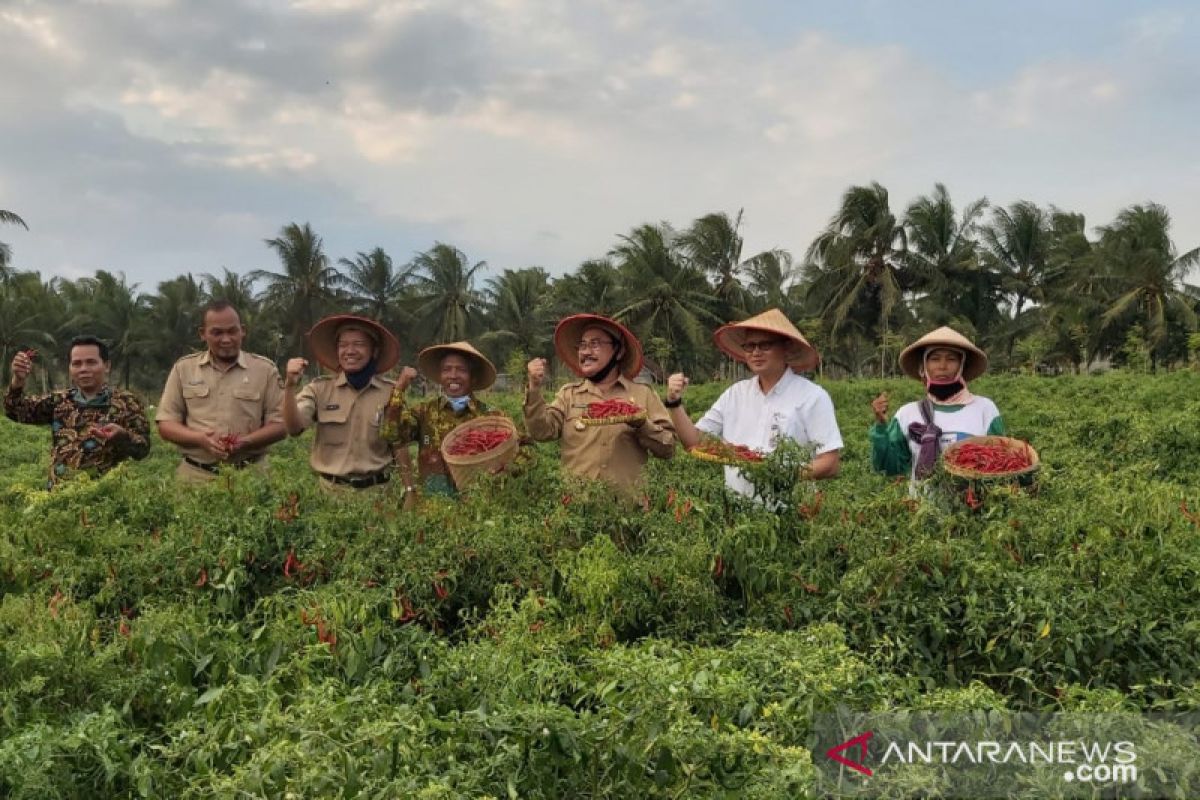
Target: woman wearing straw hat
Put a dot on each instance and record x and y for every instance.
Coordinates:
(606, 356)
(460, 370)
(346, 407)
(775, 402)
(945, 361)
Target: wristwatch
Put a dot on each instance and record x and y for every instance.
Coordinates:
(676, 403)
(409, 488)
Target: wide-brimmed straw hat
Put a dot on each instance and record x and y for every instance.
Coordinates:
(570, 330)
(483, 372)
(801, 355)
(912, 358)
(322, 341)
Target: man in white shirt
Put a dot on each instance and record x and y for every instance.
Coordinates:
(776, 402)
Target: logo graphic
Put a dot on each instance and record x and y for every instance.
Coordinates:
(860, 742)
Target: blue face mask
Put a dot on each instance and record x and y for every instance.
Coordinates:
(459, 404)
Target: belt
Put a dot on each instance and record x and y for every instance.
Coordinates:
(214, 469)
(360, 482)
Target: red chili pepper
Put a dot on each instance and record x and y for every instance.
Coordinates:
(440, 591)
(291, 564)
(230, 441)
(474, 442)
(30, 353)
(727, 451)
(604, 409)
(203, 579)
(718, 567)
(972, 500)
(989, 458)
(1188, 515)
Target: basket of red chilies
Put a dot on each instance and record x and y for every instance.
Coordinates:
(480, 445)
(984, 457)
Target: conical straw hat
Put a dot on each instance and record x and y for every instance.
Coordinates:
(801, 356)
(566, 341)
(483, 372)
(912, 357)
(322, 341)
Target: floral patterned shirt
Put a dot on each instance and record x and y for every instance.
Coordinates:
(74, 444)
(426, 423)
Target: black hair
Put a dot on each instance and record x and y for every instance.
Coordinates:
(99, 343)
(216, 305)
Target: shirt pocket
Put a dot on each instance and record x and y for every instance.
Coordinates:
(333, 426)
(197, 394)
(249, 404)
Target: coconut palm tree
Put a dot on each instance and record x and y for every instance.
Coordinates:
(447, 307)
(107, 306)
(376, 287)
(519, 317)
(1146, 272)
(305, 287)
(943, 261)
(857, 263)
(594, 288)
(667, 297)
(8, 218)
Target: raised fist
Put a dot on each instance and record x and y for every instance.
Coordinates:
(295, 366)
(880, 406)
(537, 372)
(676, 384)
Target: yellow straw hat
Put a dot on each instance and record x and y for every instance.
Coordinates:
(801, 356)
(912, 358)
(483, 372)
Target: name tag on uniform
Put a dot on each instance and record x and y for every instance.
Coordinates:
(332, 406)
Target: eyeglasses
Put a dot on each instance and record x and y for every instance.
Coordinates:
(595, 344)
(750, 347)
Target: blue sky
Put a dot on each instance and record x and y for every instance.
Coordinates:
(157, 137)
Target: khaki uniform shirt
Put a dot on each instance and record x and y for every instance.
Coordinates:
(614, 453)
(348, 442)
(240, 400)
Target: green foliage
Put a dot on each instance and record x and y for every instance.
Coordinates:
(543, 638)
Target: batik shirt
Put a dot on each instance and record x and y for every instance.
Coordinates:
(426, 423)
(74, 443)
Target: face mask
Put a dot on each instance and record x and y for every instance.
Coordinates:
(944, 390)
(361, 378)
(459, 404)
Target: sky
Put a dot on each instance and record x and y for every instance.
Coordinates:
(158, 137)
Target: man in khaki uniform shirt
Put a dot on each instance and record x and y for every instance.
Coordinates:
(220, 406)
(348, 407)
(607, 357)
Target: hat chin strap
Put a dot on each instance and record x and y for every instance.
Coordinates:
(606, 369)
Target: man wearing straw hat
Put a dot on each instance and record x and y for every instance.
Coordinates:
(944, 361)
(775, 402)
(348, 406)
(220, 406)
(606, 356)
(459, 370)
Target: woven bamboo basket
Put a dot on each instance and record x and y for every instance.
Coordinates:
(714, 458)
(465, 469)
(1007, 442)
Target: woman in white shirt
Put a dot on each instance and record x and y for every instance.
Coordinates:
(945, 361)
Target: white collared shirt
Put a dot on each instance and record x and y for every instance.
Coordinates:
(795, 407)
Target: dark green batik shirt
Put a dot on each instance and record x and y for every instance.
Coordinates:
(75, 446)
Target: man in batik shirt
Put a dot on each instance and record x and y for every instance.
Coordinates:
(93, 426)
(459, 370)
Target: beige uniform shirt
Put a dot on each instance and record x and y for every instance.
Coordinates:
(348, 442)
(614, 453)
(239, 400)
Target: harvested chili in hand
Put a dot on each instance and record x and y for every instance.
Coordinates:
(726, 451)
